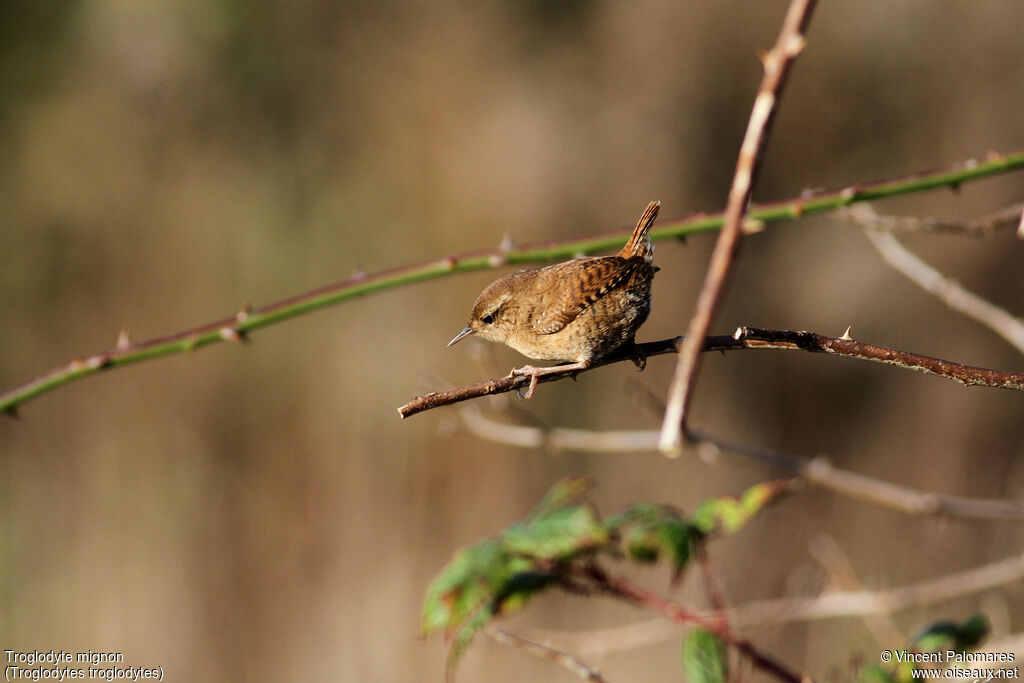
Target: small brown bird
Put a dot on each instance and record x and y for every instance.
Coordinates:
(577, 312)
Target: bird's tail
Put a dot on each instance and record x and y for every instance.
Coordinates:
(640, 245)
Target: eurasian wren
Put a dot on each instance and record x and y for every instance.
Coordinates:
(576, 312)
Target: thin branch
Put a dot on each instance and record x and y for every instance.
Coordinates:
(777, 63)
(947, 290)
(860, 603)
(744, 338)
(845, 604)
(985, 226)
(843, 346)
(817, 471)
(239, 326)
(567, 662)
(684, 617)
(820, 472)
(500, 385)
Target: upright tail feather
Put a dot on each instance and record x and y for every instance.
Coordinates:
(640, 245)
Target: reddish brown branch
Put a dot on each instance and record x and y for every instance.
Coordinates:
(746, 338)
(839, 346)
(776, 68)
(680, 615)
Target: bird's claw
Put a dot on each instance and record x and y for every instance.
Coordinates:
(526, 371)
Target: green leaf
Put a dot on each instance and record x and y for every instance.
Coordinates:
(677, 537)
(556, 534)
(730, 514)
(949, 635)
(876, 674)
(937, 637)
(704, 657)
(464, 585)
(643, 545)
(464, 636)
(651, 531)
(499, 575)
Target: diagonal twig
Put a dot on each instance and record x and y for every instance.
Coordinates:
(568, 662)
(945, 289)
(745, 338)
(844, 604)
(681, 616)
(776, 68)
(985, 226)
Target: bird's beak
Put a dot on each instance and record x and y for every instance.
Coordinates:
(465, 331)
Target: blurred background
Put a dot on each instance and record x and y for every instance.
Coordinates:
(261, 513)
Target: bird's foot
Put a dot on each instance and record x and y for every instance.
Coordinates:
(535, 373)
(639, 357)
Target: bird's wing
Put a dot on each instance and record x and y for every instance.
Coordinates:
(581, 283)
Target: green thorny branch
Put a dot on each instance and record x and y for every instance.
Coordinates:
(237, 327)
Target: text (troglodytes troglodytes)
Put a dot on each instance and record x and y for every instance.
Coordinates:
(575, 312)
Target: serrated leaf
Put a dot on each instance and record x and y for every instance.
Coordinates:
(464, 636)
(499, 575)
(556, 534)
(704, 657)
(464, 585)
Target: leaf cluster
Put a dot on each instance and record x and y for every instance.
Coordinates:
(562, 543)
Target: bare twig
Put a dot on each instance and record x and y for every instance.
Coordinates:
(820, 472)
(567, 662)
(985, 226)
(845, 604)
(745, 338)
(861, 603)
(684, 617)
(249, 319)
(776, 68)
(843, 346)
(817, 471)
(948, 291)
(501, 385)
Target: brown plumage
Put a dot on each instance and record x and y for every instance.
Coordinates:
(575, 312)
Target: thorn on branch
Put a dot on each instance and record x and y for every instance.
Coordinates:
(233, 335)
(243, 314)
(743, 338)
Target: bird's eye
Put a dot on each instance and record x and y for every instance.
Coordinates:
(487, 319)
